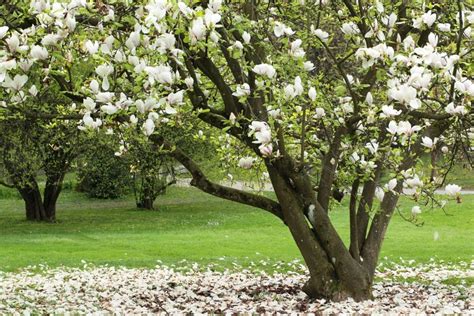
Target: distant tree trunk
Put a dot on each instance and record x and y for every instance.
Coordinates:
(150, 187)
(34, 207)
(51, 194)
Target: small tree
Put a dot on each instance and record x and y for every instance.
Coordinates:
(391, 79)
(28, 148)
(152, 172)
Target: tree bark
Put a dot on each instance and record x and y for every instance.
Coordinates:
(34, 207)
(331, 277)
(51, 194)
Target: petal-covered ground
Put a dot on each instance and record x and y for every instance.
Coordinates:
(407, 288)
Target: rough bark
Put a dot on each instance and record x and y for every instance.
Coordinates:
(51, 194)
(333, 273)
(34, 207)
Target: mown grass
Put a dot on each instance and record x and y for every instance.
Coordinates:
(191, 225)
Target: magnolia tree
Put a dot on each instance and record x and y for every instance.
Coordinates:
(324, 96)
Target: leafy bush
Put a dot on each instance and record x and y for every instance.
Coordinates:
(101, 174)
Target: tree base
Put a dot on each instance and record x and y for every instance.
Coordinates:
(336, 292)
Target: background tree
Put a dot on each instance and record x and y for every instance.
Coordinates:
(100, 173)
(242, 68)
(30, 149)
(152, 173)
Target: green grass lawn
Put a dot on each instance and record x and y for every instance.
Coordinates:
(197, 227)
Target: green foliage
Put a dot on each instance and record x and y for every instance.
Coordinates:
(101, 174)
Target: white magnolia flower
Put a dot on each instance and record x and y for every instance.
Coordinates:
(106, 47)
(198, 30)
(281, 29)
(372, 146)
(89, 104)
(265, 70)
(350, 28)
(246, 37)
(296, 50)
(175, 98)
(109, 109)
(90, 122)
(354, 157)
(263, 136)
(133, 40)
(319, 113)
(50, 39)
(429, 18)
(409, 43)
(91, 47)
(211, 19)
(390, 20)
(6, 65)
(237, 45)
(148, 127)
(39, 52)
(312, 94)
(215, 5)
(465, 86)
(104, 97)
(404, 94)
(415, 210)
(246, 162)
(405, 127)
(13, 43)
(242, 90)
(433, 40)
(428, 142)
(390, 186)
(162, 74)
(70, 22)
(455, 110)
(133, 119)
(298, 85)
(185, 10)
(379, 194)
(33, 90)
(266, 149)
(232, 118)
(104, 71)
(369, 99)
(189, 82)
(16, 83)
(308, 65)
(275, 113)
(392, 127)
(94, 86)
(413, 182)
(3, 31)
(144, 107)
(444, 27)
(289, 92)
(453, 189)
(322, 35)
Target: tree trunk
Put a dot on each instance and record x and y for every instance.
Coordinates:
(51, 194)
(147, 194)
(34, 207)
(326, 280)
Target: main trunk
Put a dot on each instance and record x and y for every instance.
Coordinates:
(51, 194)
(327, 279)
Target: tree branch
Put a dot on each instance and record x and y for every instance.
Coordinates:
(203, 183)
